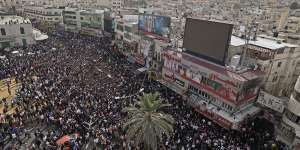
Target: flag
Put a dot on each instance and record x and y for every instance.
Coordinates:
(67, 138)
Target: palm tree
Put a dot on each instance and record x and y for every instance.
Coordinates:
(150, 74)
(146, 124)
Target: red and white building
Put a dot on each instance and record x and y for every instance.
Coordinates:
(225, 96)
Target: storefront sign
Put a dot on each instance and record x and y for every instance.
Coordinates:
(271, 101)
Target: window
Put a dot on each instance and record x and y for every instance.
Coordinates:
(275, 78)
(22, 30)
(280, 51)
(179, 82)
(24, 42)
(3, 31)
(200, 92)
(81, 18)
(193, 89)
(279, 64)
(291, 116)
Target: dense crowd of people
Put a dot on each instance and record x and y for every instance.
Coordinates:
(70, 84)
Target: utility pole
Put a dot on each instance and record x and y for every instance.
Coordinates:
(245, 48)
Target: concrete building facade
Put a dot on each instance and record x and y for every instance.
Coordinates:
(15, 31)
(290, 125)
(43, 13)
(84, 21)
(277, 59)
(225, 96)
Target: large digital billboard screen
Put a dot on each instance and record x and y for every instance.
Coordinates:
(158, 25)
(208, 40)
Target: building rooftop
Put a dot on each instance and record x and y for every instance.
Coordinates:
(92, 11)
(13, 20)
(262, 41)
(244, 75)
(41, 7)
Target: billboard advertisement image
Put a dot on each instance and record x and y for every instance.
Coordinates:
(158, 25)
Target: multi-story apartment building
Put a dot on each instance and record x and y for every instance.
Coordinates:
(128, 37)
(15, 31)
(43, 13)
(225, 96)
(117, 5)
(84, 21)
(277, 59)
(289, 130)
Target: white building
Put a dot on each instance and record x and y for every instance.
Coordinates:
(277, 59)
(15, 31)
(290, 125)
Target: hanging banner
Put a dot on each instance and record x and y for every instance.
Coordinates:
(271, 101)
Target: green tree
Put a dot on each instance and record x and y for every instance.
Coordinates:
(146, 124)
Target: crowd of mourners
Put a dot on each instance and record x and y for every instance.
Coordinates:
(70, 83)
